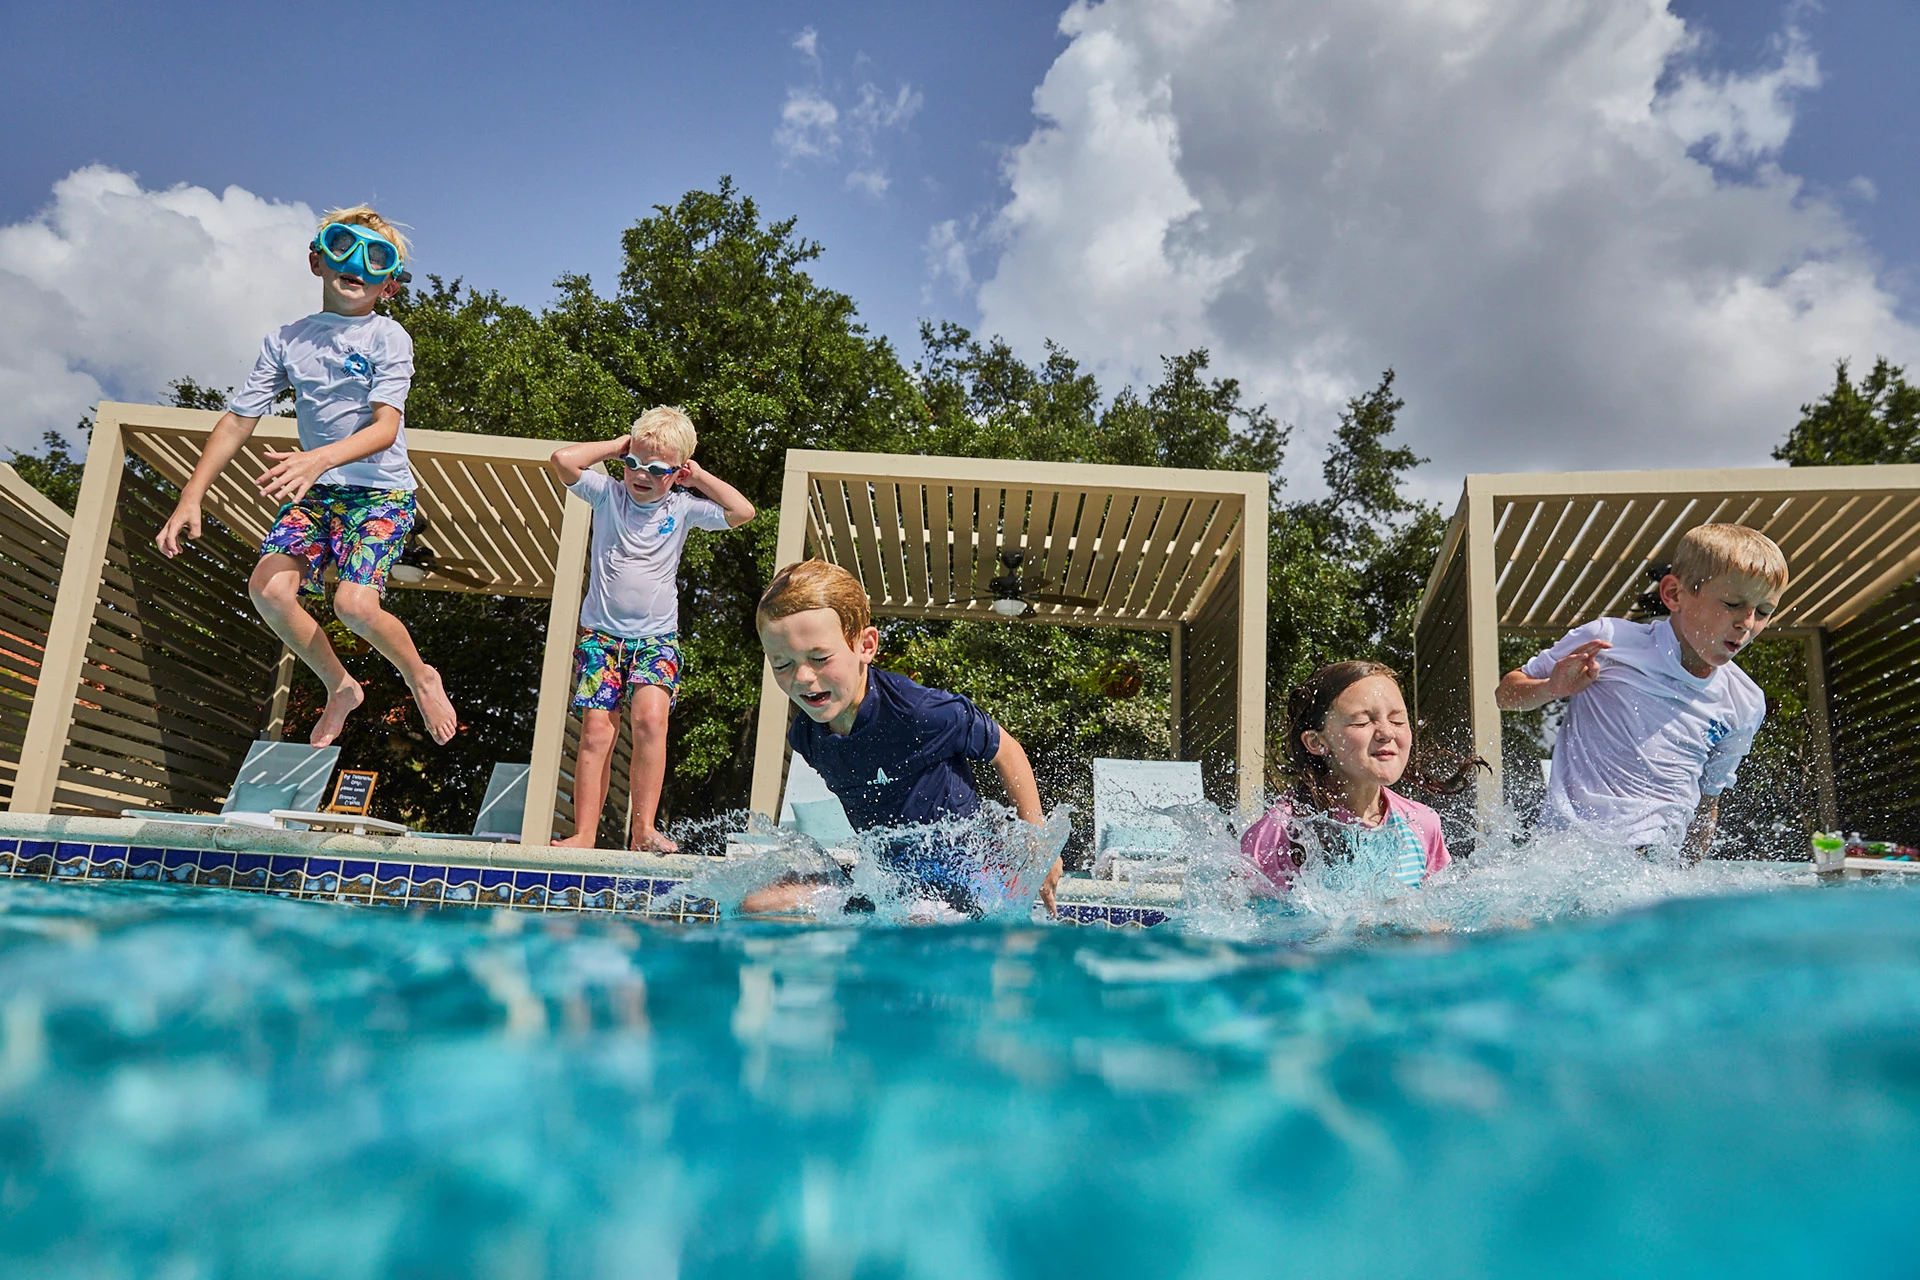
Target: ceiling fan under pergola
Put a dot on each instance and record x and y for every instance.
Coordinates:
(418, 560)
(1014, 593)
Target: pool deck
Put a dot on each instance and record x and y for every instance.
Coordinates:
(408, 871)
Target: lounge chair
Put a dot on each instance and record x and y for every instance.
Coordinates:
(1134, 837)
(501, 808)
(275, 775)
(809, 808)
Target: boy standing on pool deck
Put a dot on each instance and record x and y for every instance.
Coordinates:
(348, 489)
(1659, 717)
(894, 752)
(630, 620)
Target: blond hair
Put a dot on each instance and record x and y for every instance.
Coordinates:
(1709, 550)
(364, 215)
(668, 428)
(815, 584)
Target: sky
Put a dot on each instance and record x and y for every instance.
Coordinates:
(1585, 233)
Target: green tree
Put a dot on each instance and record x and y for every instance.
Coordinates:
(55, 470)
(1876, 421)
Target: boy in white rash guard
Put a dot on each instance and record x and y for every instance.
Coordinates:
(348, 489)
(630, 620)
(1658, 716)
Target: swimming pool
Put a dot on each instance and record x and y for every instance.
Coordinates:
(197, 1082)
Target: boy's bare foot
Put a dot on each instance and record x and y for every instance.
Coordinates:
(435, 707)
(340, 703)
(578, 840)
(655, 841)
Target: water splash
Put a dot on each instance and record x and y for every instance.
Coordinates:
(991, 861)
(1514, 879)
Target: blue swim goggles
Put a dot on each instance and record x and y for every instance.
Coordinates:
(355, 251)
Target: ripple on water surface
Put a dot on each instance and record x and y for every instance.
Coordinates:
(200, 1083)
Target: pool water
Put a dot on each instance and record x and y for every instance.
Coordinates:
(202, 1083)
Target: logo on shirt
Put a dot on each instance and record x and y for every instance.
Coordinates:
(665, 527)
(359, 366)
(880, 778)
(1716, 730)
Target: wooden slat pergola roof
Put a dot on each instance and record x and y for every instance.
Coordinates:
(1571, 547)
(1539, 554)
(490, 501)
(1153, 548)
(924, 535)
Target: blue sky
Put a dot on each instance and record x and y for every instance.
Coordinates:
(519, 141)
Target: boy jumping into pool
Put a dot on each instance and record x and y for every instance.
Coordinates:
(895, 753)
(348, 489)
(630, 620)
(1659, 717)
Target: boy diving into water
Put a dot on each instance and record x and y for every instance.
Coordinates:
(1658, 715)
(895, 753)
(348, 489)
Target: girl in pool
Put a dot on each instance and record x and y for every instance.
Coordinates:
(1348, 740)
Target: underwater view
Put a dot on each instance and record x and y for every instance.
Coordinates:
(1549, 1064)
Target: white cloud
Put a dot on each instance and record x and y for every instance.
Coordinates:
(1742, 119)
(1495, 197)
(814, 127)
(947, 262)
(111, 291)
(809, 126)
(876, 111)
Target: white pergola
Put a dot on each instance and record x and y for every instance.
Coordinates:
(1539, 554)
(156, 674)
(1182, 552)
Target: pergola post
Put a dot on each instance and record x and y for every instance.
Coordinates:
(770, 739)
(44, 749)
(1251, 721)
(550, 722)
(1820, 728)
(1176, 695)
(276, 730)
(1483, 642)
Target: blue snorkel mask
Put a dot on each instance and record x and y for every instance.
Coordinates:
(355, 251)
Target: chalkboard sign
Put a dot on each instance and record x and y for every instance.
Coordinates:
(353, 791)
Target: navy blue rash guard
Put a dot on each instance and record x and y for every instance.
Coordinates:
(906, 760)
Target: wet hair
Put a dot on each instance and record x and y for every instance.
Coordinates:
(1706, 551)
(667, 428)
(1311, 776)
(815, 584)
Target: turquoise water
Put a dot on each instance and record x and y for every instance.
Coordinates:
(201, 1083)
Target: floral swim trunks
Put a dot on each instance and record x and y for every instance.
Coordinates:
(360, 530)
(605, 665)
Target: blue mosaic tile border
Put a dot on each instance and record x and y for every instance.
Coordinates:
(373, 883)
(408, 884)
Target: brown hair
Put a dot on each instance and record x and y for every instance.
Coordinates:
(1308, 705)
(815, 584)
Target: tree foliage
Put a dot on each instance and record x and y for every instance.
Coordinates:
(1875, 421)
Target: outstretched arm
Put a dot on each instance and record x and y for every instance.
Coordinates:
(1706, 820)
(731, 500)
(223, 442)
(1016, 774)
(1580, 668)
(571, 461)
